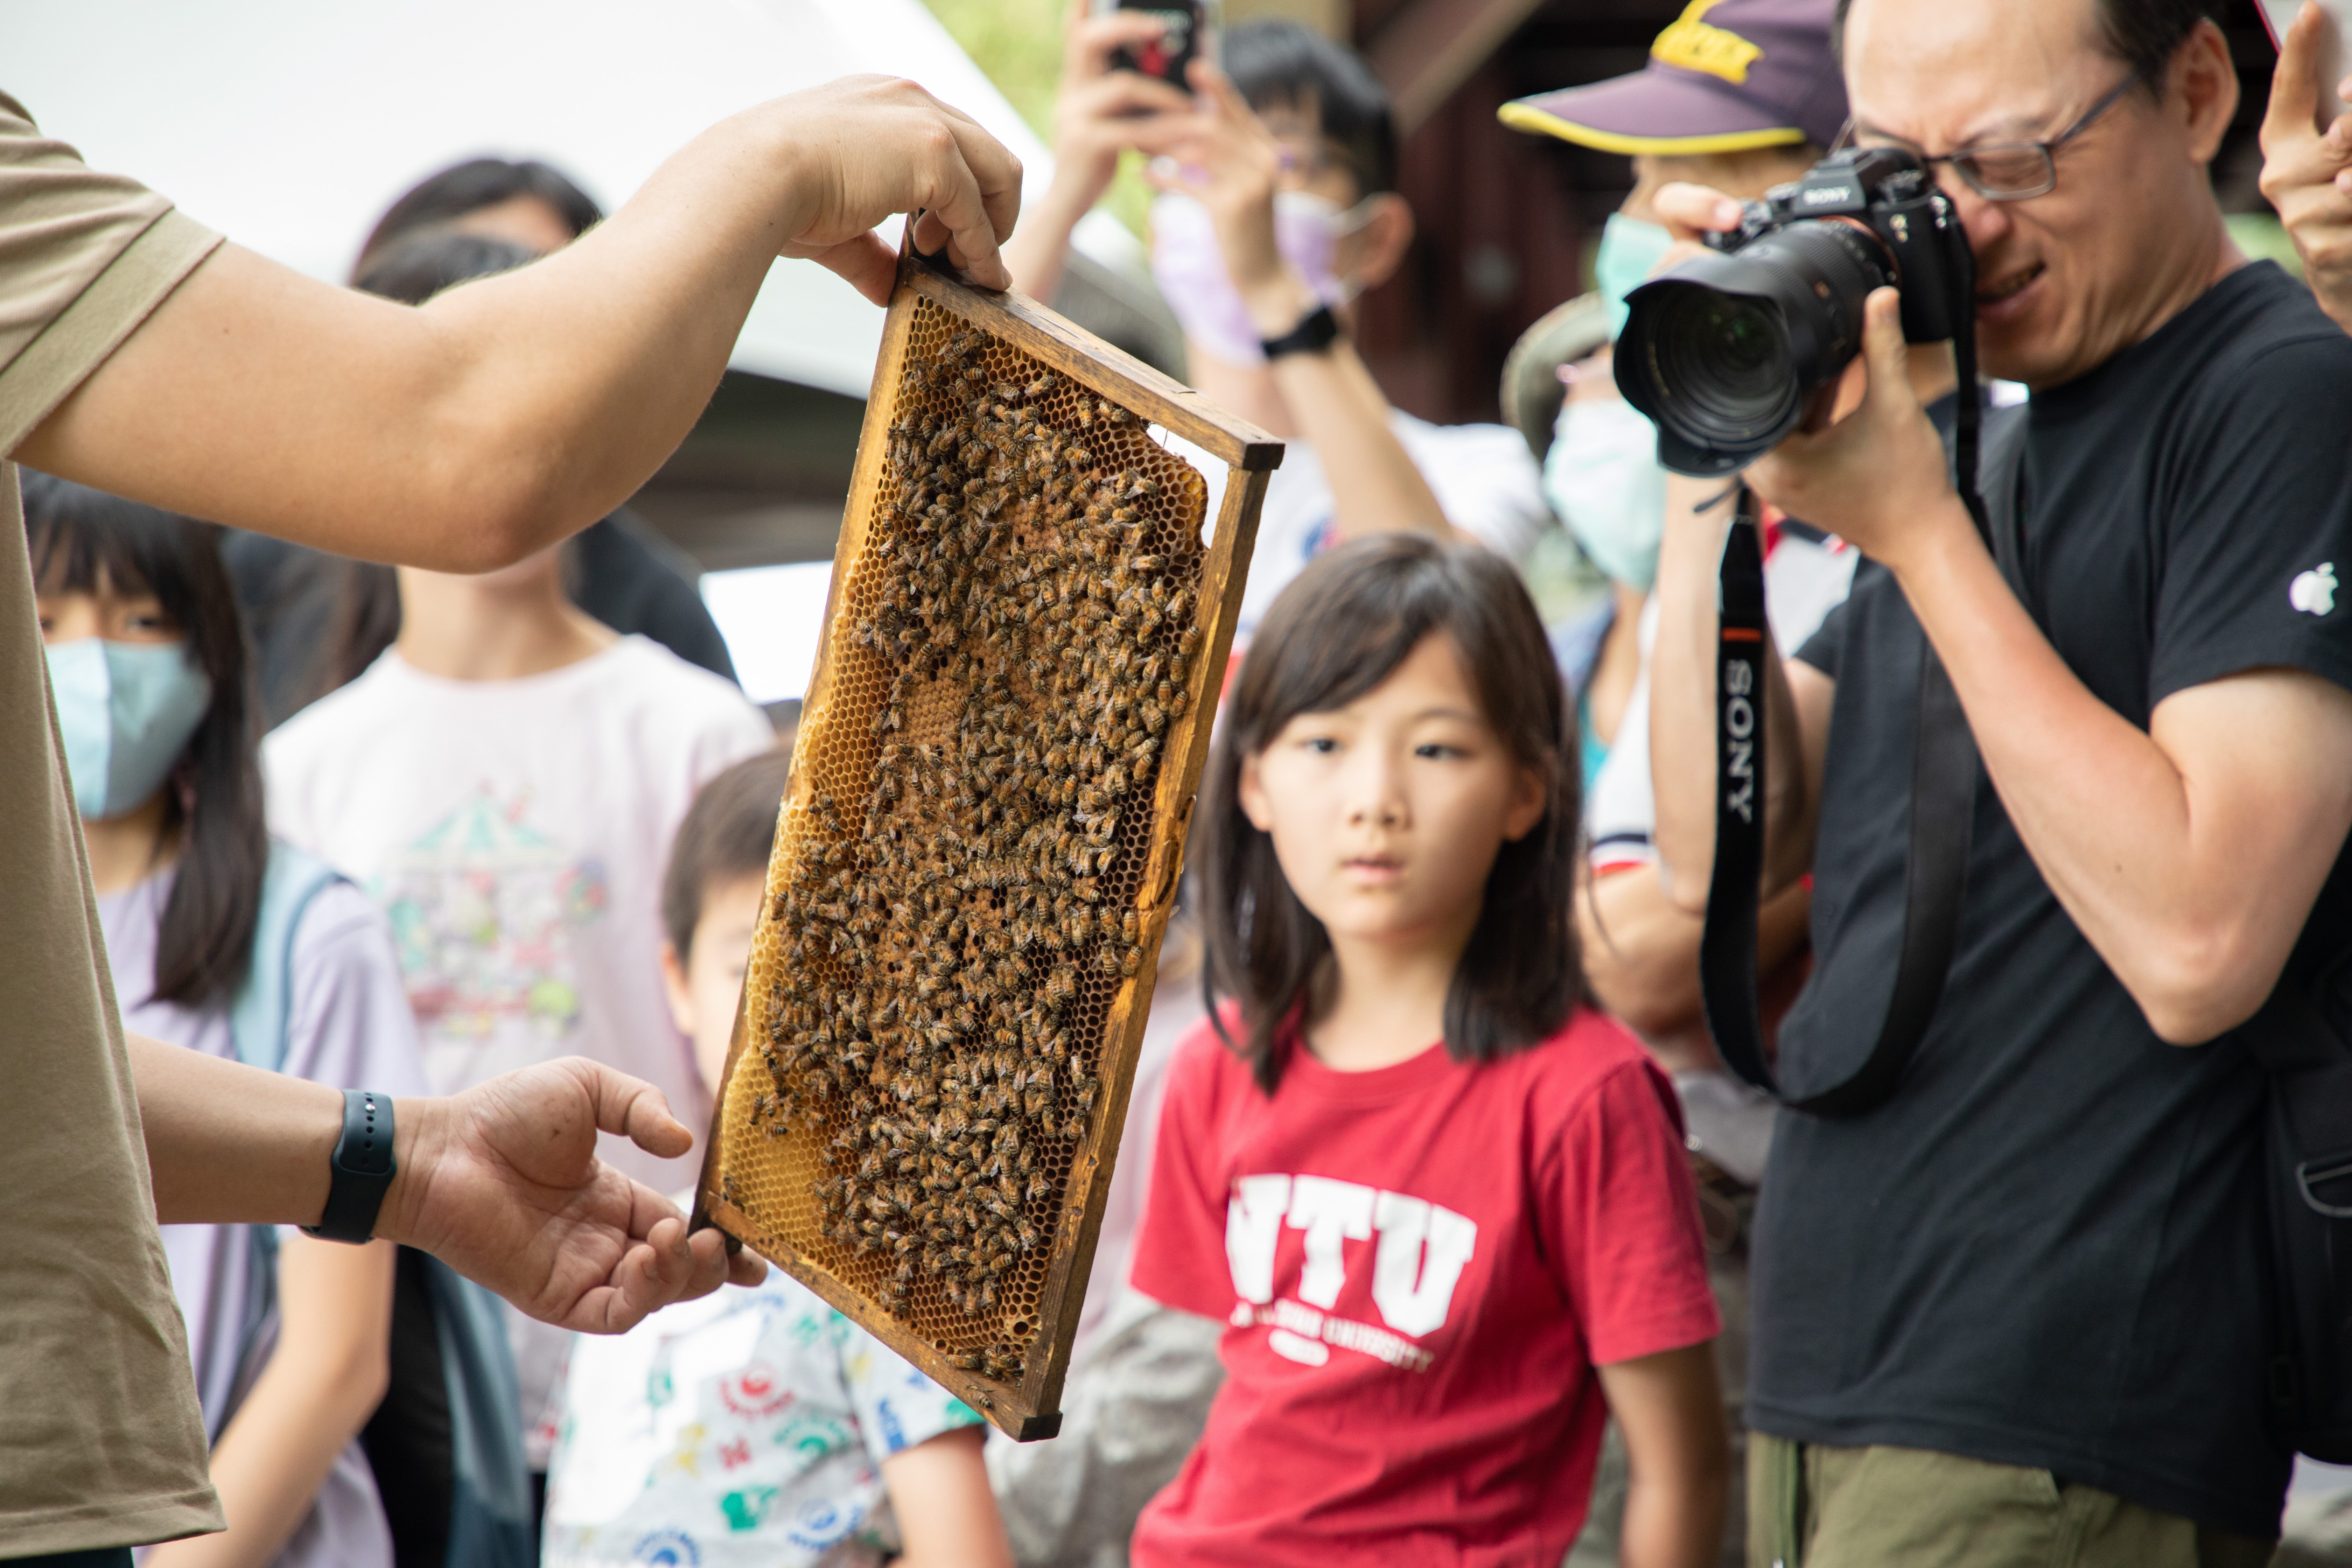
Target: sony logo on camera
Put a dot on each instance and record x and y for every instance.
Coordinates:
(1838, 195)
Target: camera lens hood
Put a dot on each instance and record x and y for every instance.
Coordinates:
(1724, 352)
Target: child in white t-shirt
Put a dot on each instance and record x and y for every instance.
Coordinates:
(504, 781)
(756, 1425)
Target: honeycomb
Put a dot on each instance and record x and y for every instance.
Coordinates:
(953, 905)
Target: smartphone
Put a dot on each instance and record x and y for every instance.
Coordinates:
(1191, 32)
(2278, 15)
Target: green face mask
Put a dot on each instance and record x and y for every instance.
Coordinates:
(1630, 250)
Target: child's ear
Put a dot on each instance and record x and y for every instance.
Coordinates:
(1530, 794)
(1251, 793)
(674, 986)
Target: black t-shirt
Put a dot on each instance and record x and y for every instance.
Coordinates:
(2046, 1249)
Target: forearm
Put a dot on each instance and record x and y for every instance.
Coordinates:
(487, 424)
(1670, 1409)
(1039, 250)
(947, 1515)
(2160, 871)
(1342, 414)
(323, 1381)
(1641, 948)
(1673, 1522)
(227, 1142)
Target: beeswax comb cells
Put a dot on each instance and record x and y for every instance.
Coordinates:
(992, 780)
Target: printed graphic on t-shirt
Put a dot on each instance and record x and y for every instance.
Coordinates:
(743, 1429)
(1422, 1249)
(484, 911)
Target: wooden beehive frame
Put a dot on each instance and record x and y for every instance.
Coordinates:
(740, 1153)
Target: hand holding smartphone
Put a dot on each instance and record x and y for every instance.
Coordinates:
(2279, 15)
(1191, 34)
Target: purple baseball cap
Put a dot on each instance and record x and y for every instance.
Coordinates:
(1725, 76)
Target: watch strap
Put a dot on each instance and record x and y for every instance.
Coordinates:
(1316, 331)
(362, 1167)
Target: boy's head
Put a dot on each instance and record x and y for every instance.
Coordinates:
(1333, 117)
(1320, 99)
(712, 896)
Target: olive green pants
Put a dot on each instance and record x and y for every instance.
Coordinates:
(1811, 1507)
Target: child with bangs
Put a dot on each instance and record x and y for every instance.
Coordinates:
(1440, 1202)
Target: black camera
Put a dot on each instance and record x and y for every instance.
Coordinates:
(1728, 353)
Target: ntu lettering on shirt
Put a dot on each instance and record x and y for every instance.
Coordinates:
(1424, 1248)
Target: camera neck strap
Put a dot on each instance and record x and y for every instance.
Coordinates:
(1943, 808)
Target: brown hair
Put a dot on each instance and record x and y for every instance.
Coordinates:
(727, 833)
(1338, 631)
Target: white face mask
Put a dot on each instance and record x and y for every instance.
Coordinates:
(1602, 476)
(1190, 266)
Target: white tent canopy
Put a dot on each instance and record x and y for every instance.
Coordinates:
(291, 124)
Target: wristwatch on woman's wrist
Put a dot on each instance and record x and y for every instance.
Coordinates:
(362, 1167)
(1316, 331)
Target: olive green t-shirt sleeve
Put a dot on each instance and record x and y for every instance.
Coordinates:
(101, 1443)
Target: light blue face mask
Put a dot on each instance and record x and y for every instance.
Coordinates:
(1629, 253)
(126, 711)
(1602, 476)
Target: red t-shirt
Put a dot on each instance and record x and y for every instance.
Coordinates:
(1419, 1267)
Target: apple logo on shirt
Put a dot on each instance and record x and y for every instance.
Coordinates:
(2314, 592)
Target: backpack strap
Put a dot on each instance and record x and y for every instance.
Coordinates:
(262, 1011)
(260, 1017)
(2311, 1065)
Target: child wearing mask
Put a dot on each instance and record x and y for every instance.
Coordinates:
(1440, 1204)
(1278, 210)
(290, 1334)
(756, 1426)
(504, 781)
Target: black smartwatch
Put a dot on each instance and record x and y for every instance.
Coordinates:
(1317, 331)
(362, 1166)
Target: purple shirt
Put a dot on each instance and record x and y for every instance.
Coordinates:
(349, 1027)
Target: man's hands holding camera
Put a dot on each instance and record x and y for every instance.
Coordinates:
(1871, 469)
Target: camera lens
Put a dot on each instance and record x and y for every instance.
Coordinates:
(1727, 357)
(1722, 352)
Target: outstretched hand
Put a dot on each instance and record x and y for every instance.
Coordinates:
(872, 147)
(2307, 167)
(502, 1183)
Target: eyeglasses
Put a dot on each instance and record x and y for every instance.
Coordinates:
(2013, 171)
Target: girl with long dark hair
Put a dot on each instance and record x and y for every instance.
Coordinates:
(1440, 1203)
(221, 942)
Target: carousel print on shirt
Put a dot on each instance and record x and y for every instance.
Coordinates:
(486, 912)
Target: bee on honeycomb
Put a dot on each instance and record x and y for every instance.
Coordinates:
(1011, 647)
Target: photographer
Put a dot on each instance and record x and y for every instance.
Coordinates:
(141, 354)
(1278, 208)
(2016, 1311)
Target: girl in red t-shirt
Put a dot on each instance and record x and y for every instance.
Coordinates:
(1441, 1203)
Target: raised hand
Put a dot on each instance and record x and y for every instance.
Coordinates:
(2307, 168)
(1097, 113)
(873, 146)
(502, 1183)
